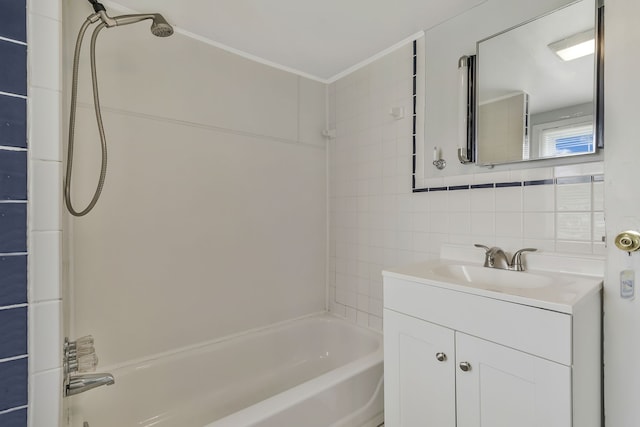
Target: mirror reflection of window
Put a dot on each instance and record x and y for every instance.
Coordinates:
(552, 60)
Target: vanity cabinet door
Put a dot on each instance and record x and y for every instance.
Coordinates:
(501, 387)
(419, 373)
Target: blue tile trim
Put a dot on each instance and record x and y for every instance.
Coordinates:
(13, 19)
(13, 72)
(13, 384)
(539, 182)
(458, 187)
(13, 227)
(13, 280)
(574, 179)
(13, 332)
(476, 186)
(13, 175)
(438, 189)
(16, 418)
(508, 184)
(598, 178)
(420, 190)
(13, 121)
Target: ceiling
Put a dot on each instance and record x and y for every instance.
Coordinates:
(319, 39)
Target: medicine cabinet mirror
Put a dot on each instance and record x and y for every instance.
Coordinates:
(539, 87)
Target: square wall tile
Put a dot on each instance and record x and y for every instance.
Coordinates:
(13, 175)
(16, 418)
(599, 229)
(45, 39)
(13, 332)
(13, 392)
(574, 247)
(46, 341)
(44, 265)
(509, 199)
(49, 8)
(45, 406)
(509, 224)
(13, 73)
(482, 199)
(598, 196)
(573, 197)
(45, 199)
(45, 134)
(13, 227)
(13, 121)
(539, 225)
(13, 20)
(483, 224)
(539, 198)
(574, 226)
(13, 280)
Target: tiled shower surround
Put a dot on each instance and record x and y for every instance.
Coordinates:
(13, 214)
(376, 221)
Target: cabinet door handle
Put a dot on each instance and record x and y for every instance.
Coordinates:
(465, 366)
(441, 357)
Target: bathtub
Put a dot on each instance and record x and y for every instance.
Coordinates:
(317, 371)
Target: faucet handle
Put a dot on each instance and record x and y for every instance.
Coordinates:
(486, 248)
(516, 263)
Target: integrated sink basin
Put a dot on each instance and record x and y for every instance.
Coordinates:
(493, 277)
(555, 282)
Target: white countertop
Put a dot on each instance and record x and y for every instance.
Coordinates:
(559, 291)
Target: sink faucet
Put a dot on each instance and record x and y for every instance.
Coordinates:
(496, 258)
(81, 383)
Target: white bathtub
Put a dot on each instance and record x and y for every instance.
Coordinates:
(318, 371)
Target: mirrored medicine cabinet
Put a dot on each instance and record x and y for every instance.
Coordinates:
(528, 102)
(537, 88)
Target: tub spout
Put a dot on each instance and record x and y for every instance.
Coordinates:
(81, 383)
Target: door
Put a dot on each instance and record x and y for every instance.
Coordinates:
(502, 387)
(419, 373)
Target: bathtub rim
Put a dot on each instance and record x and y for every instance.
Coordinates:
(148, 362)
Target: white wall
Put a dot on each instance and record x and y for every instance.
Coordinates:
(622, 317)
(213, 216)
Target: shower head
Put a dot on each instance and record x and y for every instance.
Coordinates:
(159, 27)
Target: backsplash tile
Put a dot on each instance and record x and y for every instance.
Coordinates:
(549, 208)
(13, 332)
(13, 121)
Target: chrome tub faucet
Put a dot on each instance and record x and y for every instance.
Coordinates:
(496, 258)
(81, 383)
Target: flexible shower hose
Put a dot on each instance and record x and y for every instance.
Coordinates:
(72, 119)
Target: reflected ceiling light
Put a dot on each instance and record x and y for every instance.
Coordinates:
(575, 46)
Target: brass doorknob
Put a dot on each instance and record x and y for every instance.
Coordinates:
(628, 241)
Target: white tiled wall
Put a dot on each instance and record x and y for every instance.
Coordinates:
(44, 140)
(377, 222)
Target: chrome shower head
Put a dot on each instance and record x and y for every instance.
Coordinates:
(160, 27)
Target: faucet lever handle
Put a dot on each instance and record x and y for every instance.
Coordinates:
(516, 262)
(486, 248)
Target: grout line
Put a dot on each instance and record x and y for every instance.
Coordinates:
(7, 39)
(17, 408)
(11, 359)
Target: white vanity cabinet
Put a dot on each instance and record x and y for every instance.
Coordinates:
(459, 359)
